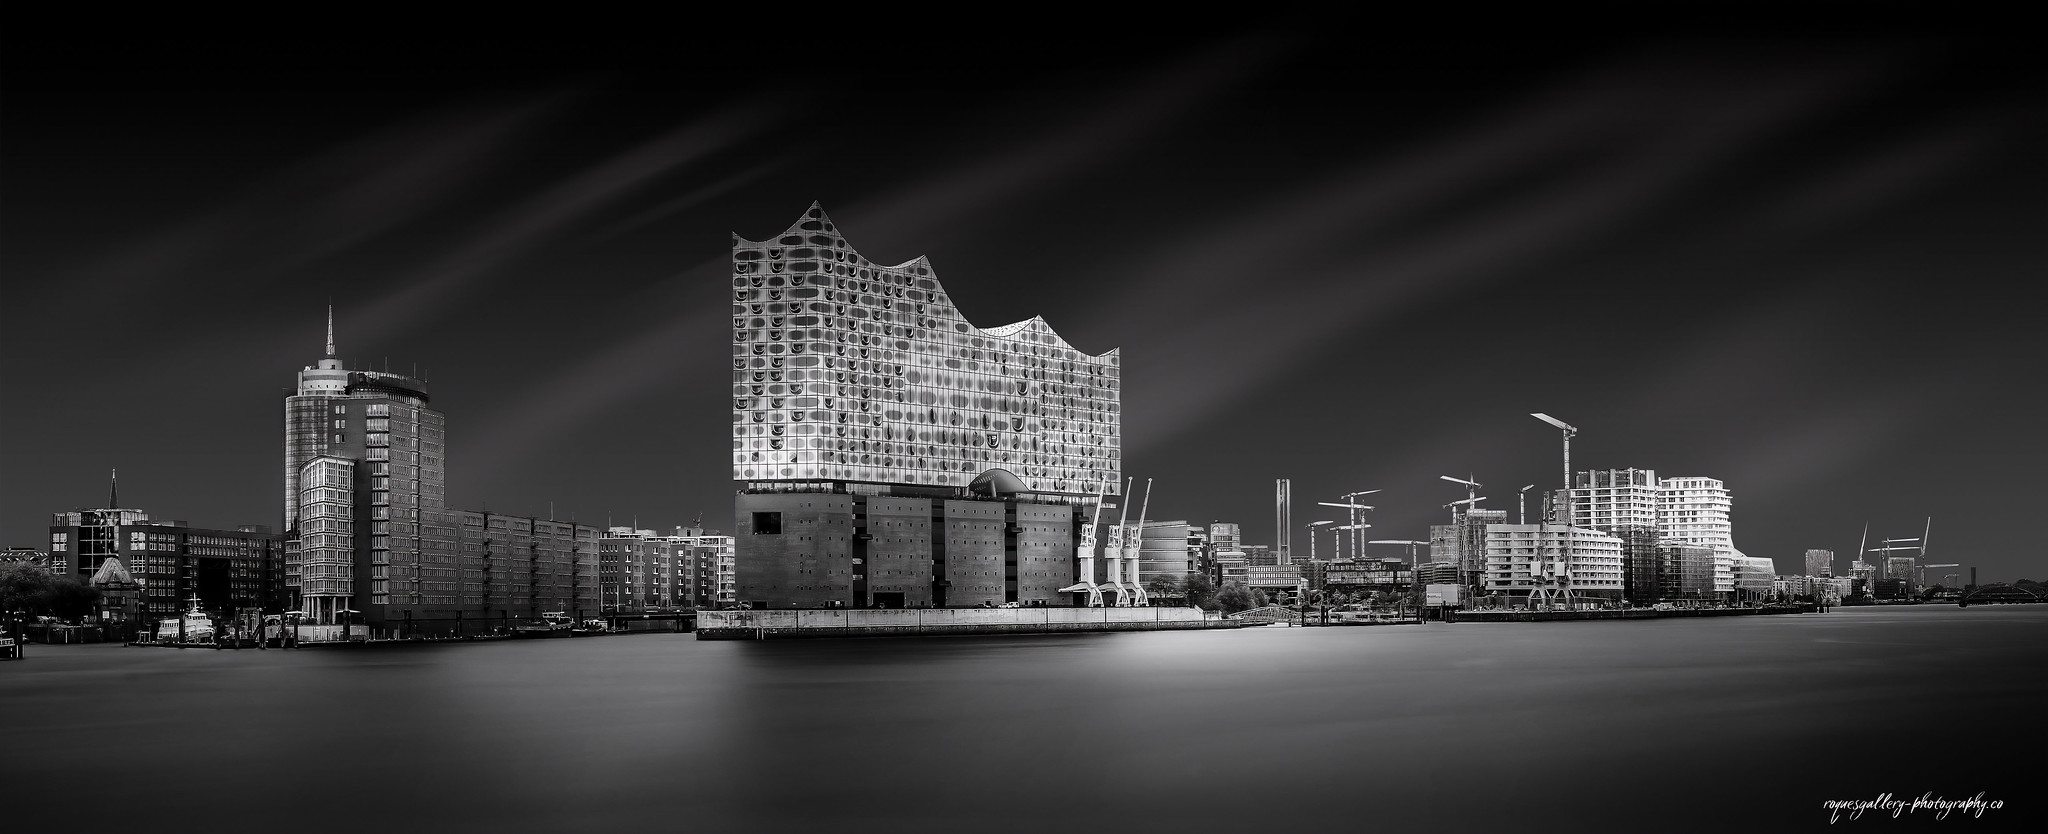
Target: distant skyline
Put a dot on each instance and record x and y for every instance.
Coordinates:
(1791, 258)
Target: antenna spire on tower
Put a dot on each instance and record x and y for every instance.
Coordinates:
(330, 331)
(113, 489)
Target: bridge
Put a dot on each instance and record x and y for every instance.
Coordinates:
(2000, 593)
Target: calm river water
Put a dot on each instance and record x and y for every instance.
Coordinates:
(1667, 725)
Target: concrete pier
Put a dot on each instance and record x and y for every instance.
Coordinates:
(764, 625)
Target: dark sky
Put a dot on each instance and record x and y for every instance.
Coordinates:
(1796, 257)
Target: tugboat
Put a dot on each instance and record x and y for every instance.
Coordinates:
(550, 624)
(198, 627)
(591, 628)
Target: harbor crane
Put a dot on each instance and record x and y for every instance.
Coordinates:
(1565, 515)
(1521, 510)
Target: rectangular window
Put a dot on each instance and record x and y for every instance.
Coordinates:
(767, 524)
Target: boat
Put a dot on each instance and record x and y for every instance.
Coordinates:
(197, 625)
(550, 624)
(591, 628)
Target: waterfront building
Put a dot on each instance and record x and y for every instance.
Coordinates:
(1820, 563)
(1463, 542)
(367, 447)
(1523, 560)
(1271, 577)
(238, 572)
(1698, 510)
(638, 570)
(1642, 564)
(890, 453)
(520, 567)
(1754, 576)
(1198, 550)
(709, 568)
(1615, 498)
(1355, 576)
(1163, 550)
(1686, 571)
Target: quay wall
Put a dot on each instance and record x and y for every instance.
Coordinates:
(1626, 614)
(761, 625)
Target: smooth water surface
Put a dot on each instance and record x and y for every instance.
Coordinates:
(1630, 726)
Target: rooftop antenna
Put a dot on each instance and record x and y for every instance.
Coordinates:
(330, 330)
(114, 489)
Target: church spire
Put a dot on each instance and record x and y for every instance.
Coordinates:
(330, 331)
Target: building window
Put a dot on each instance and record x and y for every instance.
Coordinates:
(767, 524)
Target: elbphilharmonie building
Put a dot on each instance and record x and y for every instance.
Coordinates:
(890, 453)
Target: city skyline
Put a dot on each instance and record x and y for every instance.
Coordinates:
(1353, 276)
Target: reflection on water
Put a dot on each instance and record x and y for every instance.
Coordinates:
(1680, 724)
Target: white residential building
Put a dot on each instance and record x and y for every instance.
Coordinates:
(1515, 554)
(1696, 511)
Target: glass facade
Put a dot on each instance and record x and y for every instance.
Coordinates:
(849, 371)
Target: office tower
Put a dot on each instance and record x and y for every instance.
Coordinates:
(890, 453)
(370, 435)
(1642, 565)
(1820, 563)
(1687, 571)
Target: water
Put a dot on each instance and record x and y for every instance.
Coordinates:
(1662, 725)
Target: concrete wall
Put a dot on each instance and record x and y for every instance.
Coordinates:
(808, 562)
(1045, 552)
(899, 550)
(974, 552)
(746, 625)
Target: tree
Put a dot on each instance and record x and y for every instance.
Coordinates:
(1200, 591)
(1234, 598)
(1259, 599)
(24, 587)
(31, 589)
(1163, 585)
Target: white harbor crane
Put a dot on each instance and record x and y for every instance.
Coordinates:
(1569, 431)
(1086, 556)
(1134, 543)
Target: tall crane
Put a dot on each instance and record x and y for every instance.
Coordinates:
(1350, 502)
(1414, 565)
(1521, 510)
(1472, 496)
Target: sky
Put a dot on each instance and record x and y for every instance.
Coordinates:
(1791, 256)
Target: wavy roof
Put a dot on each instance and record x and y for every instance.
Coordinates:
(816, 215)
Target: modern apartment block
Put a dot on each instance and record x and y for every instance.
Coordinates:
(710, 569)
(890, 453)
(638, 570)
(1523, 560)
(1691, 510)
(1697, 510)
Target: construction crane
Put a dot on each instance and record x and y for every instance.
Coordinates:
(1522, 511)
(1923, 571)
(1472, 496)
(1349, 503)
(1414, 564)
